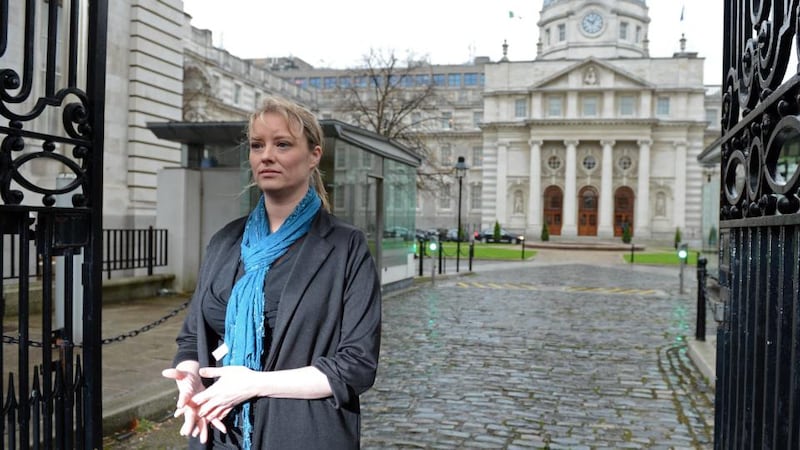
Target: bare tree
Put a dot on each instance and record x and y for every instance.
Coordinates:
(399, 100)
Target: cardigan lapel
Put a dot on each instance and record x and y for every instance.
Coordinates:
(314, 250)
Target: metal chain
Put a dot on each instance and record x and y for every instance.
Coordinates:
(119, 338)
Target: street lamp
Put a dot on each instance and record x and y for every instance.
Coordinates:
(461, 170)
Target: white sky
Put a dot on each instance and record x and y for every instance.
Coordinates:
(338, 34)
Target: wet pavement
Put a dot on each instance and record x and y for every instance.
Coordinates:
(574, 350)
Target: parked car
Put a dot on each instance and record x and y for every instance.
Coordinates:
(398, 232)
(452, 235)
(487, 235)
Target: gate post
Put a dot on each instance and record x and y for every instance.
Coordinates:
(700, 328)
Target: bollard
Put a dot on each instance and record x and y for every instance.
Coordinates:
(471, 253)
(702, 272)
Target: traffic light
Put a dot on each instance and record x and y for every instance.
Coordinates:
(433, 246)
(683, 252)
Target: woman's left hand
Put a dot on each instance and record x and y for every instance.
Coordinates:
(234, 385)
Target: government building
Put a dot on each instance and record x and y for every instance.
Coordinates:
(589, 135)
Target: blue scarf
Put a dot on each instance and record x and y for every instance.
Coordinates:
(244, 319)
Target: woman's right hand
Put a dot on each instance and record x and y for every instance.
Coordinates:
(187, 376)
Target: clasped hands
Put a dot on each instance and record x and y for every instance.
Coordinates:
(202, 407)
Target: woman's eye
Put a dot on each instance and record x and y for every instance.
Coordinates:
(256, 146)
(284, 145)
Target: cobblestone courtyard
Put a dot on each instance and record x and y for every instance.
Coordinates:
(564, 356)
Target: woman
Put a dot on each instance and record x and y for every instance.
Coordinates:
(283, 332)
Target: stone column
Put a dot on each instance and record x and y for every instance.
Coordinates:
(641, 228)
(535, 188)
(502, 184)
(679, 192)
(606, 226)
(570, 225)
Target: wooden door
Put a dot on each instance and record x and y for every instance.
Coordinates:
(553, 201)
(623, 210)
(587, 212)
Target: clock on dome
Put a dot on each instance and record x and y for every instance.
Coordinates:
(592, 23)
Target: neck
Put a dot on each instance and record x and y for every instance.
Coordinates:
(279, 208)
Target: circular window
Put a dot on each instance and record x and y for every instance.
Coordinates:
(624, 162)
(589, 162)
(554, 162)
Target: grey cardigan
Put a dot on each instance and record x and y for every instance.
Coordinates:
(329, 316)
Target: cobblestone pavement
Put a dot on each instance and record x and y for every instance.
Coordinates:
(566, 356)
(563, 356)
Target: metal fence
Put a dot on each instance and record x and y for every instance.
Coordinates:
(124, 249)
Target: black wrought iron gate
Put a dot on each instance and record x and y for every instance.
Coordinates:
(52, 88)
(758, 348)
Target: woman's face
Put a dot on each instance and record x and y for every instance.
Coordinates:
(281, 160)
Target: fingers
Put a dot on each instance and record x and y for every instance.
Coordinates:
(219, 425)
(174, 374)
(211, 372)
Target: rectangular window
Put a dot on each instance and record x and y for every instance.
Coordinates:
(554, 107)
(301, 82)
(475, 194)
(477, 118)
(360, 81)
(477, 156)
(416, 118)
(626, 106)
(711, 117)
(446, 155)
(330, 82)
(344, 82)
(237, 93)
(590, 106)
(447, 120)
(470, 79)
(423, 79)
(454, 80)
(520, 108)
(408, 81)
(444, 197)
(438, 79)
(562, 32)
(638, 34)
(257, 100)
(547, 36)
(338, 198)
(623, 31)
(315, 82)
(662, 106)
(481, 79)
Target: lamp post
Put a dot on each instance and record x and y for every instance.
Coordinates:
(461, 170)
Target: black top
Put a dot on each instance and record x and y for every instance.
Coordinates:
(215, 309)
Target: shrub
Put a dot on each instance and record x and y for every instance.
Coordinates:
(712, 236)
(626, 233)
(496, 235)
(545, 232)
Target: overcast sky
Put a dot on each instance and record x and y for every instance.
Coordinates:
(339, 33)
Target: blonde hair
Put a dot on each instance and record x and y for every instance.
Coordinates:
(298, 118)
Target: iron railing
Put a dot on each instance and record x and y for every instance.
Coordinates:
(125, 249)
(706, 301)
(134, 249)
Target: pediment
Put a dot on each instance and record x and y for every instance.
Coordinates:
(591, 73)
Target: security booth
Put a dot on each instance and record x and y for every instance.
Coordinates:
(370, 179)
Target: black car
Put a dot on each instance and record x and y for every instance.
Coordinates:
(488, 236)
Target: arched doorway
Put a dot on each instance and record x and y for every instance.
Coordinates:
(553, 200)
(623, 210)
(587, 212)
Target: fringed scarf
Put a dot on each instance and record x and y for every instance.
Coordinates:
(244, 319)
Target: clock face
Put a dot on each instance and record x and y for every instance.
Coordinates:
(592, 23)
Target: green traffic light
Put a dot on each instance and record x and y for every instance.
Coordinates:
(683, 251)
(433, 245)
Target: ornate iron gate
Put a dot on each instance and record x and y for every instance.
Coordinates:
(52, 88)
(758, 348)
